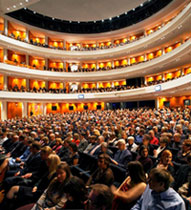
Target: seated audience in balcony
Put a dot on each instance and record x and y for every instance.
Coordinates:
(144, 159)
(184, 152)
(131, 189)
(103, 174)
(159, 193)
(123, 156)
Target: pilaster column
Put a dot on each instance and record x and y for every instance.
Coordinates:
(24, 109)
(5, 32)
(4, 110)
(5, 82)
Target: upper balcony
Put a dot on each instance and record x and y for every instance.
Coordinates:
(178, 26)
(177, 57)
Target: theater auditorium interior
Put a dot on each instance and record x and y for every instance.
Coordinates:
(95, 104)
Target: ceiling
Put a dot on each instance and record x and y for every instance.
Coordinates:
(83, 10)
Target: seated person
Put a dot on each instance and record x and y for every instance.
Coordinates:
(146, 142)
(74, 156)
(58, 145)
(131, 146)
(54, 196)
(176, 141)
(166, 162)
(144, 159)
(184, 152)
(159, 194)
(123, 156)
(182, 176)
(154, 139)
(76, 193)
(21, 195)
(132, 188)
(163, 144)
(103, 174)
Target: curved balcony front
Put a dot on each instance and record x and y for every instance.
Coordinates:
(177, 57)
(165, 34)
(180, 86)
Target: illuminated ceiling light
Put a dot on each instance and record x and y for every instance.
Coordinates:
(110, 18)
(141, 5)
(14, 6)
(27, 0)
(8, 8)
(21, 3)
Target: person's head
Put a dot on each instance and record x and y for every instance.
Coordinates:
(160, 180)
(58, 141)
(146, 139)
(151, 133)
(131, 140)
(101, 139)
(52, 137)
(177, 137)
(186, 146)
(93, 139)
(63, 172)
(164, 141)
(45, 152)
(73, 147)
(76, 136)
(35, 147)
(53, 161)
(139, 176)
(100, 197)
(166, 158)
(76, 190)
(104, 147)
(103, 161)
(121, 144)
(143, 152)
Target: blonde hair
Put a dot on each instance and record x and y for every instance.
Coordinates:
(54, 161)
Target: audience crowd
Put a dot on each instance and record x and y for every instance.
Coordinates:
(111, 159)
(16, 88)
